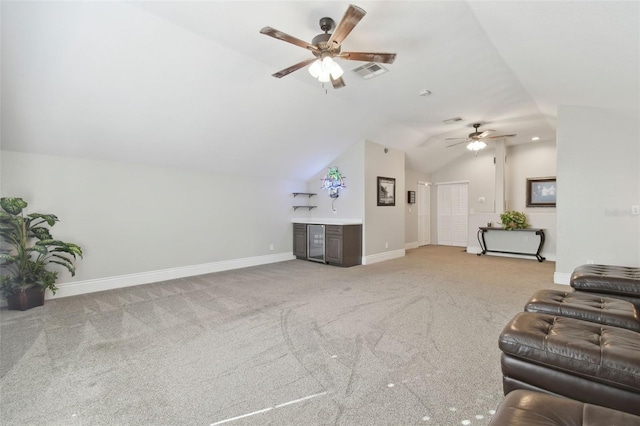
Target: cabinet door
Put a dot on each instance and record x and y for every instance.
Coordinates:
(334, 244)
(300, 240)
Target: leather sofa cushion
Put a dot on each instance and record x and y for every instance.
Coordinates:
(600, 353)
(522, 407)
(622, 280)
(586, 306)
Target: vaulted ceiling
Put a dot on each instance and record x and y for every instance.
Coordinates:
(188, 84)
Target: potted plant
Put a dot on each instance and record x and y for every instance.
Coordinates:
(26, 251)
(513, 220)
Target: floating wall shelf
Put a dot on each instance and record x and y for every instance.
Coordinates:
(309, 195)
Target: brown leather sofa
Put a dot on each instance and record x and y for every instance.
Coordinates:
(585, 361)
(583, 345)
(522, 407)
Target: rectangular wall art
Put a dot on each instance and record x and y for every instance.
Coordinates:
(541, 192)
(386, 191)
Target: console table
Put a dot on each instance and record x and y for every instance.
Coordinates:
(537, 231)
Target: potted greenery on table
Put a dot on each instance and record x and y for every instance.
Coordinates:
(513, 220)
(26, 251)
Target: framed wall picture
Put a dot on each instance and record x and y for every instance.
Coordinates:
(386, 191)
(541, 192)
(411, 197)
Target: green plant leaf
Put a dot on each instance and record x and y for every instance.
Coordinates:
(75, 249)
(39, 249)
(51, 243)
(67, 265)
(12, 205)
(4, 216)
(7, 258)
(41, 233)
(51, 219)
(65, 258)
(59, 249)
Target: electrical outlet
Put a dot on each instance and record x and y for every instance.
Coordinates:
(386, 245)
(635, 209)
(590, 262)
(271, 247)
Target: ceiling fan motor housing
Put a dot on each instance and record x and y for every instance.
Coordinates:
(321, 42)
(327, 24)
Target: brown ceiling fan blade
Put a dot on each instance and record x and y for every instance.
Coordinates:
(337, 83)
(293, 68)
(454, 144)
(500, 136)
(272, 32)
(381, 58)
(456, 139)
(351, 17)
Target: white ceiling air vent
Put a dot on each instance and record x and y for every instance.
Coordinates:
(370, 70)
(452, 120)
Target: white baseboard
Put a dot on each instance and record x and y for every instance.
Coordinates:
(381, 257)
(561, 278)
(110, 283)
(413, 245)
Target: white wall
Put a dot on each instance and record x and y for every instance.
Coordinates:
(384, 225)
(350, 203)
(598, 183)
(530, 160)
(133, 220)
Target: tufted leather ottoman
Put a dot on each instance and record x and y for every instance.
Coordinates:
(618, 281)
(593, 363)
(586, 306)
(522, 407)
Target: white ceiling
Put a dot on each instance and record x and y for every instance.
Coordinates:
(188, 84)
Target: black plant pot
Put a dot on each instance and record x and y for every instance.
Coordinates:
(26, 299)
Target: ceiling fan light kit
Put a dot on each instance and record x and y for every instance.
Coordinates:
(326, 69)
(327, 46)
(476, 146)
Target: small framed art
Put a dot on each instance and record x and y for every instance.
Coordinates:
(386, 191)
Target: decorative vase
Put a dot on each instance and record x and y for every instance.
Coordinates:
(26, 299)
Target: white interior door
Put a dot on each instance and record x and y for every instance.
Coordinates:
(453, 214)
(424, 215)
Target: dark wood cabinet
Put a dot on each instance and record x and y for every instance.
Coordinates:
(300, 240)
(343, 244)
(333, 244)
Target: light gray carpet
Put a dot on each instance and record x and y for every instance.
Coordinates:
(411, 341)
